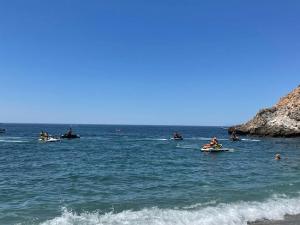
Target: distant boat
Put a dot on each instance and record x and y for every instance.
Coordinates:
(70, 136)
(177, 137)
(235, 138)
(2, 130)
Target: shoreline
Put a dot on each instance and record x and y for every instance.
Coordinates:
(288, 220)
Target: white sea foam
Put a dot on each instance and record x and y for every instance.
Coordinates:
(206, 139)
(226, 214)
(8, 139)
(12, 141)
(160, 139)
(188, 146)
(97, 138)
(245, 139)
(151, 139)
(200, 205)
(14, 137)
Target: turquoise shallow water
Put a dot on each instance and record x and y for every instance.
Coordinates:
(137, 175)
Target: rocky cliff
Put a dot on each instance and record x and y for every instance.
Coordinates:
(281, 120)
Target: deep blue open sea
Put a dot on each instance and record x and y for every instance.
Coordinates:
(138, 175)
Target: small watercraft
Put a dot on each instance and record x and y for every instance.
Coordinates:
(235, 139)
(69, 136)
(2, 130)
(177, 137)
(50, 139)
(216, 148)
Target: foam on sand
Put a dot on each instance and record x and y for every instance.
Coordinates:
(226, 214)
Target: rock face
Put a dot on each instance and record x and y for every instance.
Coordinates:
(281, 120)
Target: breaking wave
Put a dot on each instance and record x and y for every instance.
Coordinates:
(226, 214)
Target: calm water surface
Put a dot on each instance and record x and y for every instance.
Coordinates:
(137, 175)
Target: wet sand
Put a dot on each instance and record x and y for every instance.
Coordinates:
(288, 220)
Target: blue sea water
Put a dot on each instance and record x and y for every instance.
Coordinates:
(138, 175)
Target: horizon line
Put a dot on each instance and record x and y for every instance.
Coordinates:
(112, 124)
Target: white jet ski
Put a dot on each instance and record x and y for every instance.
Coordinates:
(217, 148)
(50, 139)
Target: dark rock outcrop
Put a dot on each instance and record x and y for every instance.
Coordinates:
(281, 120)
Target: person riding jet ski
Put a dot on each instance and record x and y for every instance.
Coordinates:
(177, 136)
(233, 136)
(44, 136)
(214, 143)
(70, 135)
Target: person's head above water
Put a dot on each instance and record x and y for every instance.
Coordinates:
(277, 157)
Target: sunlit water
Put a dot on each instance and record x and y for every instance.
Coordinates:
(138, 175)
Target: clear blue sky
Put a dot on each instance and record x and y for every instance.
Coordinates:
(146, 62)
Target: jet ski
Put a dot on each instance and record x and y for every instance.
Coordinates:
(216, 148)
(234, 139)
(50, 139)
(69, 136)
(177, 137)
